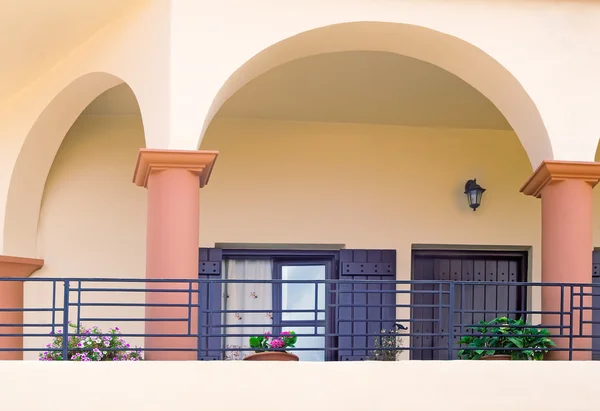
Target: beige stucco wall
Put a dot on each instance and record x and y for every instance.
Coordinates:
(365, 187)
(359, 185)
(347, 386)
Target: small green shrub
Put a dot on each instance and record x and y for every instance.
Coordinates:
(505, 336)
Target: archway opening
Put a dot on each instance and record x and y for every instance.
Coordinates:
(37, 155)
(371, 151)
(92, 218)
(450, 53)
(365, 131)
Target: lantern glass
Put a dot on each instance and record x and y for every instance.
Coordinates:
(474, 197)
(474, 193)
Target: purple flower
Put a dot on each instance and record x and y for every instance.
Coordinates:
(277, 343)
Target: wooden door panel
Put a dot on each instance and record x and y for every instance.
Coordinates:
(484, 302)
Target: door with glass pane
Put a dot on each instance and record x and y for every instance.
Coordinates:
(299, 303)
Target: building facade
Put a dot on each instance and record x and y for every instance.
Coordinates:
(316, 126)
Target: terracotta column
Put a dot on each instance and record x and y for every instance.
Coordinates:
(173, 179)
(11, 297)
(566, 192)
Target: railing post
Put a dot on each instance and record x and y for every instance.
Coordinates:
(199, 321)
(571, 330)
(65, 333)
(451, 322)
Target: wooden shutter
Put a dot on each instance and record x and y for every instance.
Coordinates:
(209, 297)
(361, 313)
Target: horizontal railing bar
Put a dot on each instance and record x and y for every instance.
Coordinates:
(105, 319)
(457, 284)
(27, 310)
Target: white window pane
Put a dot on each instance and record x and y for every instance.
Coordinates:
(302, 296)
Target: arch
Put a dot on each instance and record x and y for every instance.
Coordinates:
(450, 53)
(37, 154)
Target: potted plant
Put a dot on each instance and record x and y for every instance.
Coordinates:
(506, 339)
(91, 344)
(387, 346)
(269, 348)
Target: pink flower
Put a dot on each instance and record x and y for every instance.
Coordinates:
(267, 335)
(277, 343)
(285, 333)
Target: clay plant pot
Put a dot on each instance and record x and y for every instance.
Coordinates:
(272, 356)
(496, 358)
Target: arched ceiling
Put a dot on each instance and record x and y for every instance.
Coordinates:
(365, 87)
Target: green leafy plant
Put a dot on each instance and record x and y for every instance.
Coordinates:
(387, 346)
(266, 342)
(505, 336)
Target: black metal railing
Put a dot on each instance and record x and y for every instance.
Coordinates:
(334, 320)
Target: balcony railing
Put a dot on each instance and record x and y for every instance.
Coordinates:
(334, 320)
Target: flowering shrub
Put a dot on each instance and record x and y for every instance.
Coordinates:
(387, 346)
(91, 345)
(287, 339)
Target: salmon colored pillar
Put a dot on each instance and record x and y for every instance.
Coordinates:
(173, 179)
(11, 299)
(566, 192)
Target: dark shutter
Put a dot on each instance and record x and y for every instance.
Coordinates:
(596, 306)
(209, 298)
(364, 308)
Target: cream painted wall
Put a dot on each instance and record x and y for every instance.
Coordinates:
(341, 386)
(91, 205)
(365, 187)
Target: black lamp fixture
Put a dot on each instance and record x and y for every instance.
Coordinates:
(474, 193)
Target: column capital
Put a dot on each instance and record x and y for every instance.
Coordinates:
(552, 171)
(200, 162)
(19, 267)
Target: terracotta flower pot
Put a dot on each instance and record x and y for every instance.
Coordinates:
(272, 356)
(497, 358)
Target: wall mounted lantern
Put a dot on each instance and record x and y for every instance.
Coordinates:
(474, 193)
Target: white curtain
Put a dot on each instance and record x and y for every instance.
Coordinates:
(247, 296)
